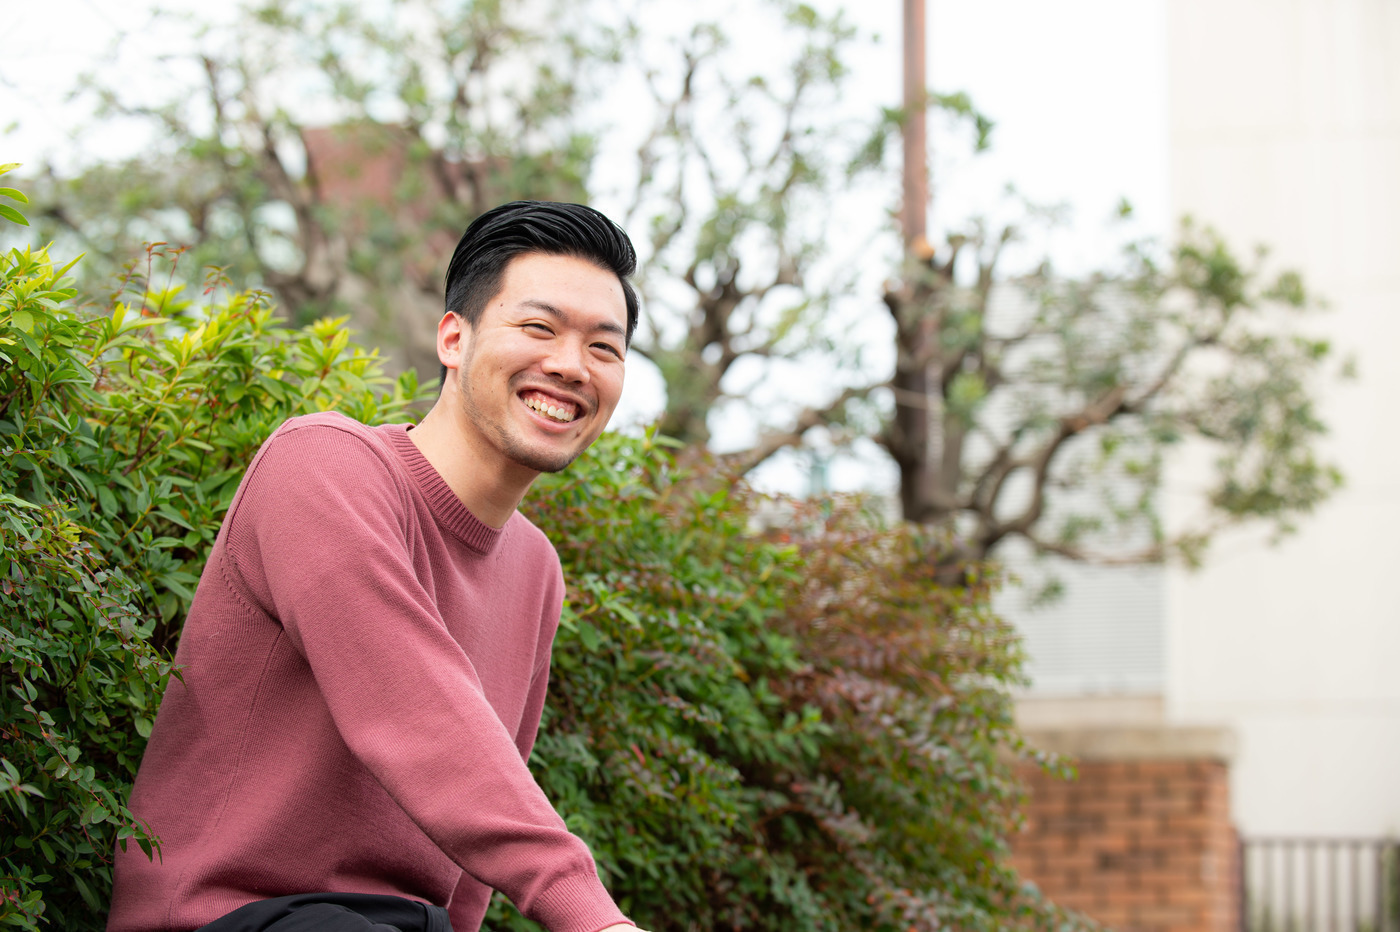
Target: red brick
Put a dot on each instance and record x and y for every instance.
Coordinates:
(1139, 846)
(1164, 914)
(1134, 898)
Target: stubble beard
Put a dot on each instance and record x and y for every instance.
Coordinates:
(511, 447)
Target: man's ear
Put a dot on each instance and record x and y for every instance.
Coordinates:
(453, 337)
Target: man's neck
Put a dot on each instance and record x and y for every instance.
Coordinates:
(490, 487)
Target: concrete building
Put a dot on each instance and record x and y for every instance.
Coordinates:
(1285, 129)
(1277, 662)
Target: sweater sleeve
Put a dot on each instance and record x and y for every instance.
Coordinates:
(534, 706)
(319, 535)
(471, 898)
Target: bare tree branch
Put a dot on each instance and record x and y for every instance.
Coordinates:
(773, 441)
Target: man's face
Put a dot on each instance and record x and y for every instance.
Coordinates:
(542, 371)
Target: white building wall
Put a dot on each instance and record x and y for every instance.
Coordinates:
(1104, 638)
(1285, 129)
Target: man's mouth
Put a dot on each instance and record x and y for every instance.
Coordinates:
(553, 408)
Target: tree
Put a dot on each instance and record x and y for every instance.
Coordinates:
(334, 152)
(1030, 406)
(734, 173)
(1009, 390)
(1044, 408)
(1016, 406)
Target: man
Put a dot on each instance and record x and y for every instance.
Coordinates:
(365, 661)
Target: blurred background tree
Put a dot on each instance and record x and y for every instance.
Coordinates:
(334, 152)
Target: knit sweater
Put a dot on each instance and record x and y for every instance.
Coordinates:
(362, 674)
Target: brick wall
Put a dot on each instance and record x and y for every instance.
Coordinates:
(1139, 845)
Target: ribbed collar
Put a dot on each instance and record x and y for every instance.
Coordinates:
(446, 507)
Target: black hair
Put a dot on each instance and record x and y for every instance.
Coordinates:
(479, 263)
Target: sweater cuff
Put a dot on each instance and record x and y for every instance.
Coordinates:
(577, 904)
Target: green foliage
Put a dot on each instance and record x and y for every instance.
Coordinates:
(663, 676)
(796, 729)
(122, 439)
(1064, 400)
(1202, 347)
(78, 672)
(6, 211)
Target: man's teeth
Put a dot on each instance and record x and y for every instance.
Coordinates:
(545, 408)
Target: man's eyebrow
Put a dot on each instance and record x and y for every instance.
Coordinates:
(563, 316)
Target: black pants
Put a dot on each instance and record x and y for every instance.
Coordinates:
(334, 912)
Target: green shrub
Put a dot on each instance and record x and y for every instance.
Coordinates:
(913, 799)
(663, 718)
(122, 440)
(796, 729)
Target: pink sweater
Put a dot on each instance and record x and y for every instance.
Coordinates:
(364, 667)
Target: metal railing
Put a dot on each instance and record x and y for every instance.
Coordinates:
(1319, 885)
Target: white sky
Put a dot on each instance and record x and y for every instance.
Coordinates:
(1078, 92)
(1077, 89)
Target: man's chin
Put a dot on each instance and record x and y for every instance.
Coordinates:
(542, 460)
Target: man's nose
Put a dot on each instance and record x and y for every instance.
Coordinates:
(567, 362)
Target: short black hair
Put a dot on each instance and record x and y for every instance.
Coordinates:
(519, 228)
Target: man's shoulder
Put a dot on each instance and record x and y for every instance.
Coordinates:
(331, 428)
(526, 536)
(332, 420)
(327, 449)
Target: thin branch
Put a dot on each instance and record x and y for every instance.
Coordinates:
(1108, 406)
(1173, 367)
(1153, 554)
(774, 441)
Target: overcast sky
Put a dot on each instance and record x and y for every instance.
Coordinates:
(1077, 89)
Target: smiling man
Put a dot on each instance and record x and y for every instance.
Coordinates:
(366, 659)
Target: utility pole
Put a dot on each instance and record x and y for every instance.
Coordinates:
(913, 436)
(915, 212)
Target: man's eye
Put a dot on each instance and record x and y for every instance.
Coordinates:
(609, 349)
(540, 327)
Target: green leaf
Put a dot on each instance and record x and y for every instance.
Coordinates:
(170, 514)
(108, 501)
(9, 213)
